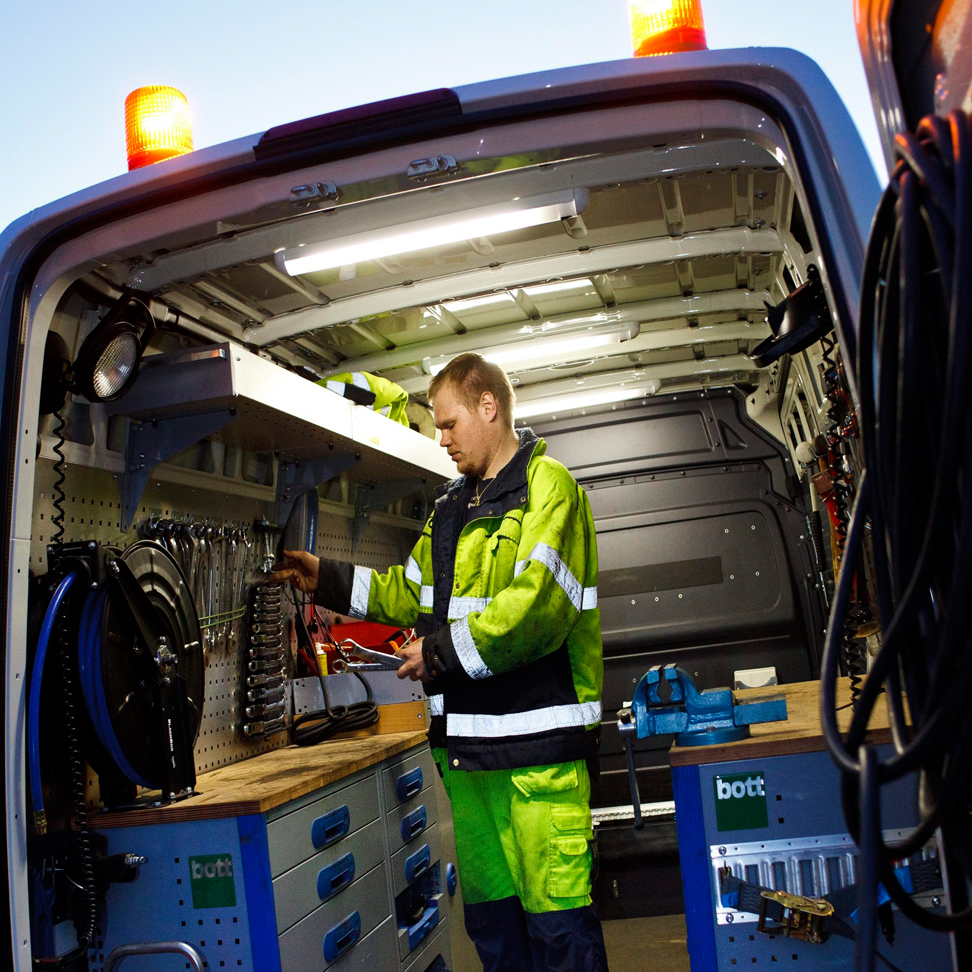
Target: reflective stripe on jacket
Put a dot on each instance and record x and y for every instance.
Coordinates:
(509, 603)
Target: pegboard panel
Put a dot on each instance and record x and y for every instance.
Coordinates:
(92, 512)
(218, 929)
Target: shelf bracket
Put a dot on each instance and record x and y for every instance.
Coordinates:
(299, 477)
(376, 496)
(153, 441)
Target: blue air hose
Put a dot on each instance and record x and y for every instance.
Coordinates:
(93, 686)
(33, 707)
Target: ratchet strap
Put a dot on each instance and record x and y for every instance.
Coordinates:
(816, 919)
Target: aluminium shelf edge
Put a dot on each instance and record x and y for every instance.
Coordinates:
(279, 412)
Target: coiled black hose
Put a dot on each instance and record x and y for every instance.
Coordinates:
(914, 370)
(87, 928)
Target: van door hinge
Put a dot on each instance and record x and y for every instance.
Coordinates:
(314, 192)
(436, 165)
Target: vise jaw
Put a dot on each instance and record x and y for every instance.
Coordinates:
(667, 702)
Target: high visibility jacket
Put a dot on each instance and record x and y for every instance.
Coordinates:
(390, 399)
(509, 603)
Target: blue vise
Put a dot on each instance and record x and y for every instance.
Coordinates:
(667, 702)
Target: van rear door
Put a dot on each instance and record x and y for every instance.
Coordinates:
(918, 61)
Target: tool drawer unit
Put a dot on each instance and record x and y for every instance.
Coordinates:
(346, 877)
(764, 809)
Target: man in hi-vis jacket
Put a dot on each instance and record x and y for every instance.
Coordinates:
(502, 589)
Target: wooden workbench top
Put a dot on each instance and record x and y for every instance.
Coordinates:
(801, 733)
(259, 784)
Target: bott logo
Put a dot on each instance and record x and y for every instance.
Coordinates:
(219, 868)
(211, 879)
(750, 787)
(740, 801)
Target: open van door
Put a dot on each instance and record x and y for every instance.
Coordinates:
(918, 60)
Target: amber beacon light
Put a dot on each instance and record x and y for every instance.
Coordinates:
(666, 26)
(157, 125)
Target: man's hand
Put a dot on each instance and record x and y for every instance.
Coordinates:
(413, 667)
(300, 568)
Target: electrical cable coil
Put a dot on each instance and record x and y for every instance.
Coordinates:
(914, 372)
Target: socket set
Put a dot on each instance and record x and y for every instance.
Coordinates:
(265, 663)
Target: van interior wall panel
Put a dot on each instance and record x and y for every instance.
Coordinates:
(92, 510)
(704, 555)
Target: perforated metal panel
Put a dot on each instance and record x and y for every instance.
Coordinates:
(92, 512)
(221, 934)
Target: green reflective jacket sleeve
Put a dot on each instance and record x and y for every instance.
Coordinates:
(394, 597)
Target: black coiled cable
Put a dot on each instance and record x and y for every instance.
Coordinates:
(314, 727)
(57, 492)
(87, 928)
(914, 376)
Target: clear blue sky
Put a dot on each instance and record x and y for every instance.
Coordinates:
(67, 65)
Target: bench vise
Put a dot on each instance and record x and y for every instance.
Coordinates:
(667, 702)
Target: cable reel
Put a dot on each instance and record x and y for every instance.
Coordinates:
(140, 667)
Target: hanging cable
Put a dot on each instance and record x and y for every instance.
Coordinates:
(314, 727)
(914, 372)
(84, 853)
(57, 491)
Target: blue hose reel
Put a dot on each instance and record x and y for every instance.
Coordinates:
(140, 667)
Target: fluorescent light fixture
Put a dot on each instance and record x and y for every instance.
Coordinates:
(559, 287)
(470, 303)
(422, 234)
(591, 398)
(537, 353)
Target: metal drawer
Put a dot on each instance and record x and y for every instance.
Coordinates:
(414, 859)
(375, 953)
(337, 925)
(407, 778)
(300, 890)
(297, 836)
(441, 944)
(407, 821)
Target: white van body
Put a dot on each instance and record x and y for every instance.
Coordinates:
(692, 135)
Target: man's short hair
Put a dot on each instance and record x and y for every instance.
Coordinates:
(470, 375)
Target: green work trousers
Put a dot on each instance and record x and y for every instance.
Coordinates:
(523, 833)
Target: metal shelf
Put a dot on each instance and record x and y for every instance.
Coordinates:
(227, 393)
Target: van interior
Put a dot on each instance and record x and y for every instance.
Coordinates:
(640, 328)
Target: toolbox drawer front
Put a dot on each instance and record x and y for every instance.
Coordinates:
(338, 925)
(414, 859)
(375, 953)
(297, 892)
(407, 778)
(297, 836)
(404, 823)
(441, 944)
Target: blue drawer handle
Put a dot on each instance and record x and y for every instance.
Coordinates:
(341, 937)
(414, 823)
(331, 827)
(335, 876)
(408, 784)
(424, 925)
(417, 863)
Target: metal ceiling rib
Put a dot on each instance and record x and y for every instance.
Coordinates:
(728, 302)
(740, 240)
